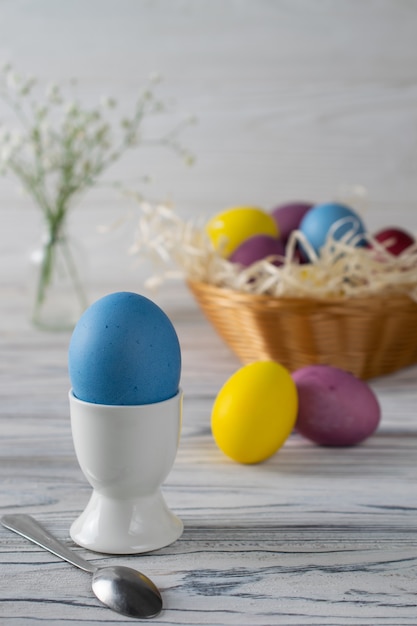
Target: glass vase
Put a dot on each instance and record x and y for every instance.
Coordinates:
(57, 285)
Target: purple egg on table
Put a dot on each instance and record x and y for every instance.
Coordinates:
(288, 217)
(335, 408)
(257, 248)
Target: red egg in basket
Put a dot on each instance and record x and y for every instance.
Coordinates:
(394, 240)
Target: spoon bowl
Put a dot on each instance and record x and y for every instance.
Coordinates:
(127, 591)
(122, 589)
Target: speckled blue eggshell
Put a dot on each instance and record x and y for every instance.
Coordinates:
(124, 351)
(331, 218)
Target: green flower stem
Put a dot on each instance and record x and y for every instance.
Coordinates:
(62, 149)
(57, 239)
(73, 273)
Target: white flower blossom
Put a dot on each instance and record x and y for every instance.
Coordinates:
(60, 151)
(16, 139)
(4, 135)
(108, 102)
(53, 93)
(155, 78)
(6, 154)
(13, 80)
(71, 108)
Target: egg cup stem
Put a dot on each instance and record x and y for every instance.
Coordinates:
(126, 452)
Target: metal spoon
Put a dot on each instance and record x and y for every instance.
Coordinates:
(122, 589)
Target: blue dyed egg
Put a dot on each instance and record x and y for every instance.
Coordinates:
(333, 219)
(124, 351)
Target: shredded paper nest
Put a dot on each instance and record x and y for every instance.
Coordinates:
(181, 249)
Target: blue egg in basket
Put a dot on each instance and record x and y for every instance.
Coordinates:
(335, 220)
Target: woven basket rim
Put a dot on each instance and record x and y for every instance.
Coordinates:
(370, 336)
(392, 300)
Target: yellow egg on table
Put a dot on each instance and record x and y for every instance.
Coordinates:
(227, 230)
(255, 412)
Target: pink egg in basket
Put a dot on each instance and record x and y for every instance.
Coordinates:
(288, 217)
(257, 248)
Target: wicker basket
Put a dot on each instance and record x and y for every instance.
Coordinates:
(369, 336)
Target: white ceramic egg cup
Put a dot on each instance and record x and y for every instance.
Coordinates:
(126, 453)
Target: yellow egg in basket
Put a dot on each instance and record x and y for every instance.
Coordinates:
(227, 230)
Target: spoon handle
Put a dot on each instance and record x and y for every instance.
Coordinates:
(29, 528)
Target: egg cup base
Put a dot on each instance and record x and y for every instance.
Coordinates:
(130, 526)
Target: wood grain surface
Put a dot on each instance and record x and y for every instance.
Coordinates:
(312, 536)
(294, 100)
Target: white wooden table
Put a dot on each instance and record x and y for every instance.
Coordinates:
(312, 536)
(294, 99)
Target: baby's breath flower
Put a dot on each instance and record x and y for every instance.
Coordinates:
(47, 163)
(132, 139)
(53, 94)
(5, 154)
(40, 112)
(147, 95)
(189, 159)
(159, 106)
(44, 126)
(93, 116)
(13, 80)
(16, 139)
(101, 133)
(108, 103)
(59, 152)
(71, 108)
(26, 87)
(125, 123)
(155, 78)
(4, 135)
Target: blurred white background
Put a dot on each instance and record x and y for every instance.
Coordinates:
(295, 99)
